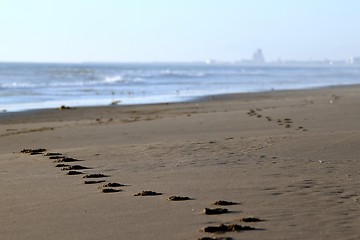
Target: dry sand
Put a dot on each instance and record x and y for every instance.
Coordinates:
(292, 161)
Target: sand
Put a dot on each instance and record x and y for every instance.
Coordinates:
(290, 158)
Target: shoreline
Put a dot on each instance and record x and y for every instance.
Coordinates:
(194, 100)
(290, 158)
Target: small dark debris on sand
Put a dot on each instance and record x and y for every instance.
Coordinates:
(74, 173)
(33, 151)
(213, 211)
(111, 190)
(67, 159)
(74, 167)
(95, 175)
(147, 193)
(113, 184)
(251, 219)
(63, 107)
(52, 154)
(94, 182)
(227, 228)
(178, 198)
(225, 203)
(62, 165)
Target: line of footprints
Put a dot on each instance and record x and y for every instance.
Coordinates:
(68, 164)
(286, 122)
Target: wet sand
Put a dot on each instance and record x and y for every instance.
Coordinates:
(290, 160)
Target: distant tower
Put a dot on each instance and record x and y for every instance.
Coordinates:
(258, 57)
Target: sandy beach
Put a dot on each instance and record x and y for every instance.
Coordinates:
(290, 160)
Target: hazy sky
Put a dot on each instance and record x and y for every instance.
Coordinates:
(177, 30)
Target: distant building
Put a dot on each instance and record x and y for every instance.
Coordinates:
(258, 57)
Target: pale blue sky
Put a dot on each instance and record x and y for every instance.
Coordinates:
(181, 30)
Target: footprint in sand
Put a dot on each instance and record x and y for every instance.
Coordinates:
(74, 173)
(251, 219)
(52, 154)
(225, 203)
(74, 167)
(62, 165)
(214, 211)
(94, 181)
(111, 190)
(215, 238)
(227, 228)
(67, 159)
(147, 193)
(33, 151)
(95, 175)
(113, 184)
(178, 198)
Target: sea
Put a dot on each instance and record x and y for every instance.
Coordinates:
(30, 86)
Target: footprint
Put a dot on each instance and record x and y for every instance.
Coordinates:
(95, 175)
(66, 159)
(214, 211)
(113, 185)
(74, 167)
(251, 219)
(178, 198)
(227, 228)
(94, 182)
(62, 165)
(225, 203)
(111, 190)
(33, 151)
(147, 193)
(52, 154)
(215, 238)
(74, 173)
(56, 157)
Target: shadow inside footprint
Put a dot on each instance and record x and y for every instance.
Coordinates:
(178, 198)
(214, 211)
(147, 193)
(227, 228)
